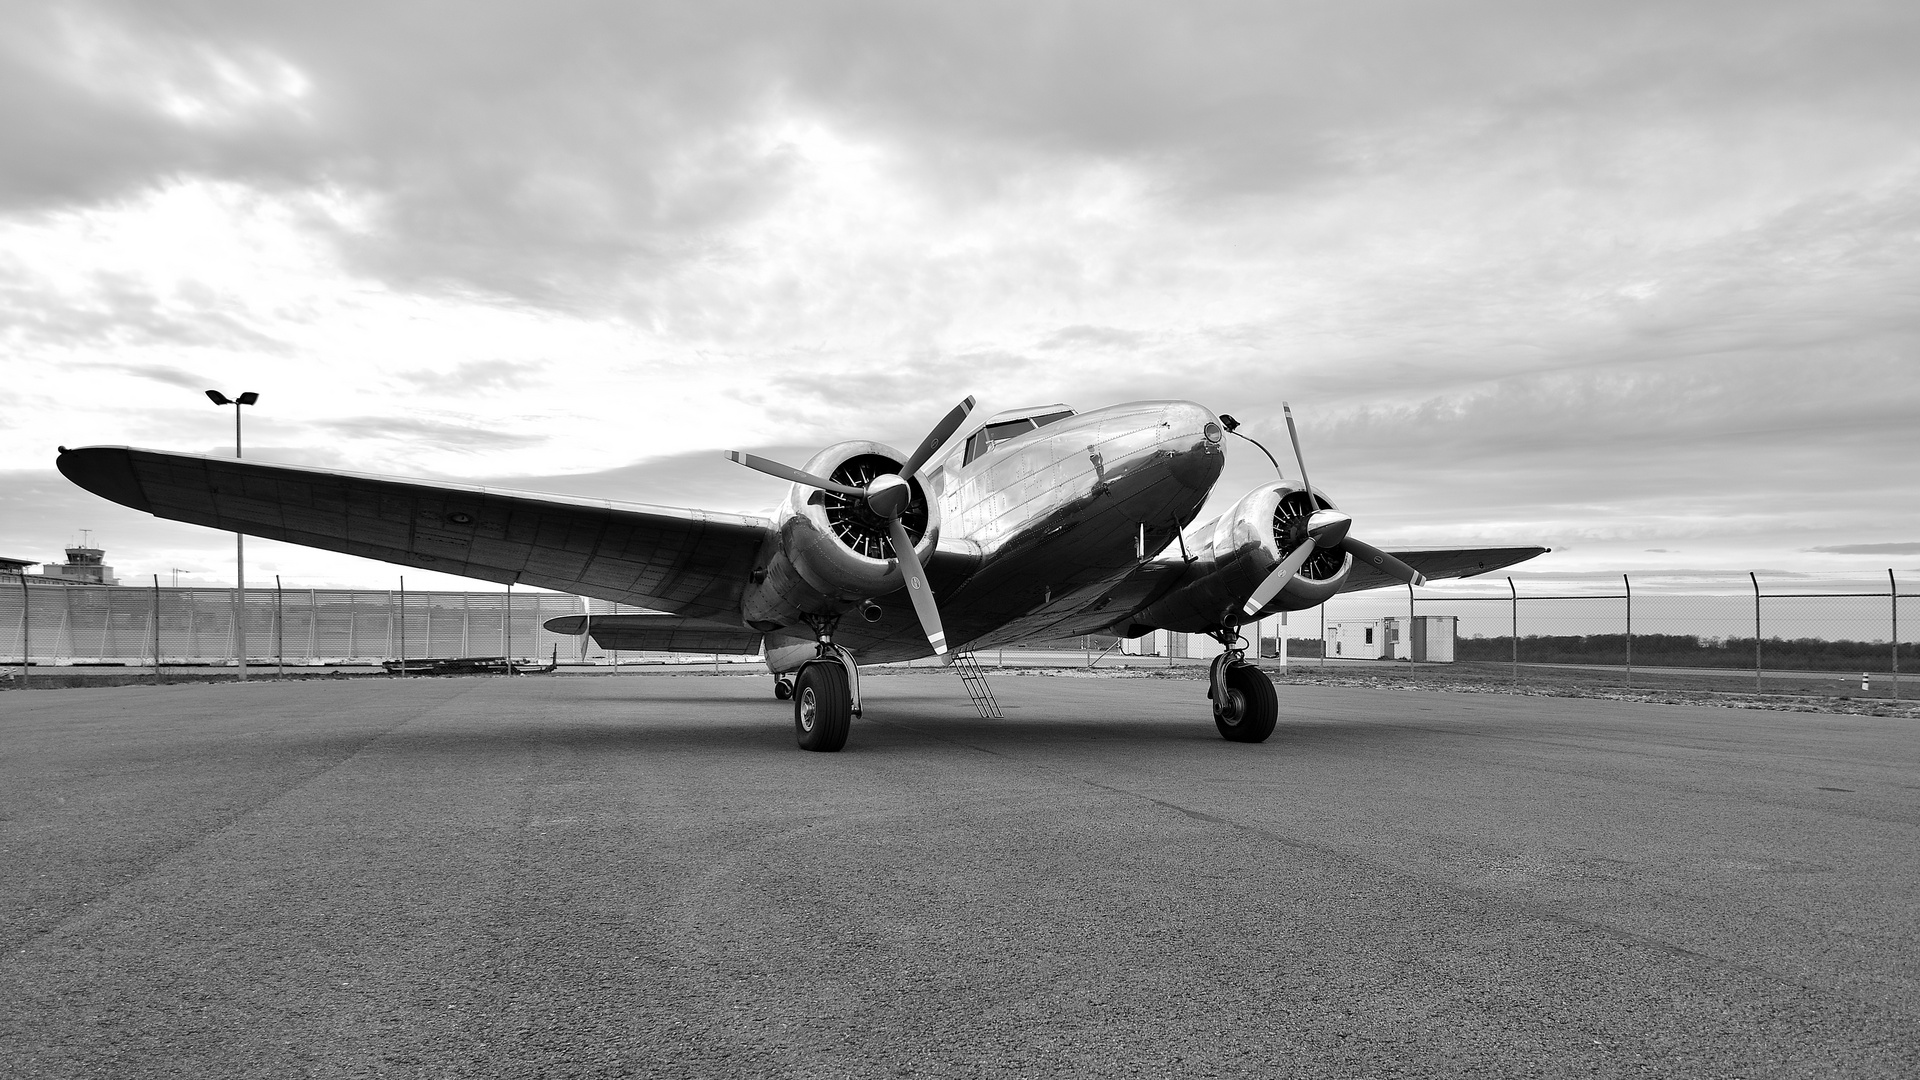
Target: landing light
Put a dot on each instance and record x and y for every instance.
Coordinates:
(1212, 432)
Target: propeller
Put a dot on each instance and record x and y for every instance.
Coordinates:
(888, 496)
(1325, 529)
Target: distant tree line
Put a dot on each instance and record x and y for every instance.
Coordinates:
(1691, 650)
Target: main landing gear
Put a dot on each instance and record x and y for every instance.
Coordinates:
(1245, 706)
(825, 693)
(822, 706)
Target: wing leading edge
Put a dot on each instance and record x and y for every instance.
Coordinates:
(1445, 563)
(658, 633)
(689, 562)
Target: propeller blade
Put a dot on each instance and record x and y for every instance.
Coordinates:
(787, 472)
(1383, 562)
(938, 437)
(1277, 580)
(1299, 458)
(918, 590)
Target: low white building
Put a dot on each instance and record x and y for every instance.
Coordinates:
(1385, 639)
(1171, 645)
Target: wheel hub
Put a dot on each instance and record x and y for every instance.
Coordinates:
(1233, 708)
(809, 709)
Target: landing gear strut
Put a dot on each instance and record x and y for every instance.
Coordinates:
(826, 694)
(1244, 704)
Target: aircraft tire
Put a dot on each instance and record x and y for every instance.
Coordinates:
(1251, 708)
(782, 687)
(822, 707)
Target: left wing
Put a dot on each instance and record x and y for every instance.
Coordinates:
(690, 562)
(1446, 563)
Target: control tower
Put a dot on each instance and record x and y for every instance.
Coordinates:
(85, 565)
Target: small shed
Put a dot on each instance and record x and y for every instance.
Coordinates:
(1382, 639)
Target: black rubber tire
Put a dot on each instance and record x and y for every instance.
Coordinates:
(782, 688)
(822, 707)
(1251, 708)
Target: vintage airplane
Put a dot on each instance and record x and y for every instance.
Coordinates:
(1041, 523)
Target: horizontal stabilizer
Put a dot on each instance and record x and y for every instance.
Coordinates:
(658, 633)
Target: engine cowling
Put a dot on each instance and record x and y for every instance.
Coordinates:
(1237, 551)
(834, 552)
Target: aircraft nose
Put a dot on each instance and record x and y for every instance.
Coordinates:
(1195, 436)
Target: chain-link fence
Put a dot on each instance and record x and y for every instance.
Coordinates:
(86, 624)
(1760, 633)
(1626, 634)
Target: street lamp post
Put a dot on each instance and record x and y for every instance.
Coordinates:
(239, 541)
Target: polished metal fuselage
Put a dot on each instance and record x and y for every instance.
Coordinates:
(1041, 534)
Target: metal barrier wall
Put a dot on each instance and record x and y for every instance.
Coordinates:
(94, 623)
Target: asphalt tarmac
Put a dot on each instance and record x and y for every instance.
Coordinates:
(643, 876)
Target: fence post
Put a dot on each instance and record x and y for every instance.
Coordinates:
(1409, 634)
(403, 626)
(1893, 602)
(506, 630)
(239, 602)
(1516, 631)
(26, 634)
(279, 628)
(1629, 585)
(1323, 635)
(156, 627)
(1756, 631)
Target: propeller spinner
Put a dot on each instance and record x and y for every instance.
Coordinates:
(888, 496)
(1325, 529)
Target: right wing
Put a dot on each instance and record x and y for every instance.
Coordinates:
(690, 562)
(658, 633)
(1444, 563)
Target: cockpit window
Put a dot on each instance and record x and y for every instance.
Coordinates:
(994, 434)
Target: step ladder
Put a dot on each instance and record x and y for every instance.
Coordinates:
(974, 679)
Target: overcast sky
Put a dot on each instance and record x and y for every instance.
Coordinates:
(1638, 281)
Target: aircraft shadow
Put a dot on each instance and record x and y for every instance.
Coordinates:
(766, 728)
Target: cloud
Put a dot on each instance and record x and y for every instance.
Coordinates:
(117, 309)
(1107, 337)
(454, 436)
(1869, 549)
(560, 159)
(159, 373)
(472, 377)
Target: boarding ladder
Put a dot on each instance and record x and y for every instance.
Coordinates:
(975, 681)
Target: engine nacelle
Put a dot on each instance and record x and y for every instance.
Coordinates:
(832, 551)
(1236, 552)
